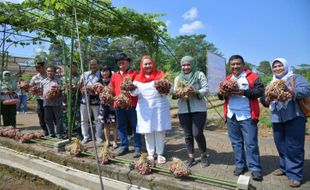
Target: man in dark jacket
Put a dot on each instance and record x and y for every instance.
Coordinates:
(241, 109)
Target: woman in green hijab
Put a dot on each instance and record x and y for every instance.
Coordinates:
(190, 87)
(8, 91)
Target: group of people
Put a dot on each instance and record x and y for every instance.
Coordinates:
(149, 111)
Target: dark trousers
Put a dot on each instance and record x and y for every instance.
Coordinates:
(289, 138)
(40, 112)
(193, 125)
(9, 115)
(54, 113)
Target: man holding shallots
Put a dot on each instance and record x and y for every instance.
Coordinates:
(52, 102)
(240, 90)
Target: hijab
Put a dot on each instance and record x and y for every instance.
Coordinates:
(193, 76)
(287, 74)
(7, 81)
(155, 74)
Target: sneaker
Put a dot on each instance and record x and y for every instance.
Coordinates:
(85, 140)
(257, 176)
(122, 151)
(150, 158)
(136, 154)
(190, 162)
(53, 135)
(204, 162)
(294, 183)
(161, 159)
(239, 171)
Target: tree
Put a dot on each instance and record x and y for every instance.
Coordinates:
(264, 68)
(41, 56)
(55, 56)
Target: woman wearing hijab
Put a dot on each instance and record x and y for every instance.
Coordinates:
(288, 122)
(8, 91)
(153, 109)
(192, 109)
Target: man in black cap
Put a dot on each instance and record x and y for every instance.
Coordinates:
(123, 115)
(35, 81)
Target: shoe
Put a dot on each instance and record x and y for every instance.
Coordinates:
(239, 171)
(99, 140)
(204, 162)
(257, 176)
(294, 183)
(278, 172)
(61, 137)
(53, 135)
(150, 158)
(85, 140)
(161, 159)
(136, 154)
(190, 162)
(122, 151)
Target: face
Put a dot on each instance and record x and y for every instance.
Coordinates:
(39, 69)
(93, 65)
(105, 74)
(186, 67)
(123, 64)
(74, 69)
(59, 72)
(147, 66)
(278, 69)
(50, 72)
(236, 66)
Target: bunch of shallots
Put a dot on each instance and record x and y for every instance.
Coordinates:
(276, 91)
(76, 147)
(127, 85)
(228, 86)
(23, 85)
(53, 92)
(178, 168)
(183, 90)
(35, 90)
(143, 165)
(106, 154)
(106, 95)
(15, 134)
(123, 101)
(98, 88)
(163, 86)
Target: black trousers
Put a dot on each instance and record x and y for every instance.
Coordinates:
(193, 125)
(8, 114)
(41, 115)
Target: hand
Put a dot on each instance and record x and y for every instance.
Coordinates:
(238, 92)
(191, 91)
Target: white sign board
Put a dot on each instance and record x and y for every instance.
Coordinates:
(216, 66)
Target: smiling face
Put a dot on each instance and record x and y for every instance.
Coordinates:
(278, 69)
(123, 64)
(93, 65)
(105, 74)
(50, 71)
(186, 67)
(147, 66)
(236, 66)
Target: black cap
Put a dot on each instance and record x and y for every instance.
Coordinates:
(121, 56)
(38, 64)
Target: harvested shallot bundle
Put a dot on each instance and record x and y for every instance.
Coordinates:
(228, 86)
(53, 92)
(123, 101)
(178, 168)
(163, 86)
(106, 95)
(183, 90)
(127, 85)
(106, 154)
(35, 90)
(143, 165)
(98, 88)
(23, 85)
(275, 91)
(76, 147)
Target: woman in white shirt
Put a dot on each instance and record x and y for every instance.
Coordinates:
(153, 109)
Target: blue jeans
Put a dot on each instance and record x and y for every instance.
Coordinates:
(289, 138)
(244, 134)
(22, 106)
(125, 117)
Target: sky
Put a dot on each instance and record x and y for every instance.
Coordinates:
(256, 29)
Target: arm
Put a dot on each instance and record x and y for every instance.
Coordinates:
(256, 92)
(204, 86)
